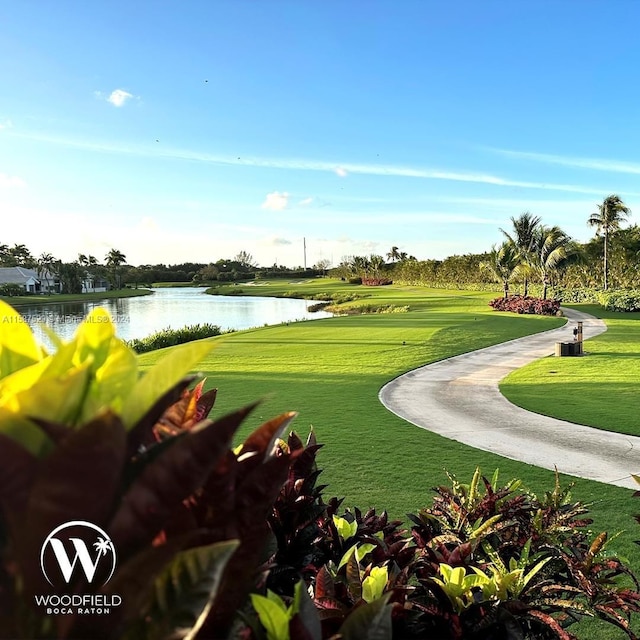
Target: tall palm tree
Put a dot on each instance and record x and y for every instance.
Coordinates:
(607, 219)
(44, 268)
(376, 263)
(523, 237)
(113, 260)
(502, 264)
(551, 248)
(394, 254)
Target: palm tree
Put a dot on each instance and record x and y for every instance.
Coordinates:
(502, 264)
(607, 219)
(376, 263)
(113, 260)
(44, 267)
(394, 254)
(524, 230)
(551, 248)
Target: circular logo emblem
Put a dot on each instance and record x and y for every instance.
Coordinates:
(75, 548)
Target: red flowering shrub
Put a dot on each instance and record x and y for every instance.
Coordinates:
(376, 282)
(521, 304)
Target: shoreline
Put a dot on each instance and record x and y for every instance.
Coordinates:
(63, 298)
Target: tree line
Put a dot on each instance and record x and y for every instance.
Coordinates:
(531, 253)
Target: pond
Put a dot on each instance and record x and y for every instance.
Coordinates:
(173, 308)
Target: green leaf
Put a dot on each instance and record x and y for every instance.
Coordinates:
(371, 621)
(167, 372)
(273, 616)
(186, 589)
(18, 347)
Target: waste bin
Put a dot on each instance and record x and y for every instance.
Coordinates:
(568, 348)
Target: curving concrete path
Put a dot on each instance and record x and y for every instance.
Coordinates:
(459, 399)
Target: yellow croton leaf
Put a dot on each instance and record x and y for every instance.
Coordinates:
(18, 346)
(93, 338)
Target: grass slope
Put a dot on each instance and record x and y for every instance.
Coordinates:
(331, 371)
(600, 390)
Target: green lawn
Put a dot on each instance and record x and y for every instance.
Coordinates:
(58, 298)
(331, 371)
(600, 390)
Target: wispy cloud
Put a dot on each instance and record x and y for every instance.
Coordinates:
(342, 172)
(305, 202)
(315, 165)
(8, 182)
(5, 124)
(276, 201)
(613, 166)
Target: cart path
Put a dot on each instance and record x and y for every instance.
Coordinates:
(459, 399)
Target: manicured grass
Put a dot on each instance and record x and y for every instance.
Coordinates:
(331, 371)
(600, 390)
(58, 298)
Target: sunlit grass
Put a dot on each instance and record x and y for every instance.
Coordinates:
(601, 389)
(331, 370)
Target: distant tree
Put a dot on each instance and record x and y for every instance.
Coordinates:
(322, 265)
(114, 259)
(245, 260)
(16, 256)
(607, 219)
(44, 268)
(523, 238)
(502, 264)
(71, 276)
(551, 248)
(394, 254)
(376, 264)
(208, 273)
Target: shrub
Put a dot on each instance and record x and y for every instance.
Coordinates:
(376, 282)
(11, 290)
(367, 308)
(520, 304)
(318, 306)
(355, 280)
(620, 300)
(171, 337)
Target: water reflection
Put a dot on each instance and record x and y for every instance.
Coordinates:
(170, 308)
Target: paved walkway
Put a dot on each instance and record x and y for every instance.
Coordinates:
(459, 399)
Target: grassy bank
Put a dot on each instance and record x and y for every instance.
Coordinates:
(59, 298)
(600, 390)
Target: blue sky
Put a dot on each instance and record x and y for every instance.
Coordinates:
(188, 131)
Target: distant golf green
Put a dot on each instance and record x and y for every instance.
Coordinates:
(601, 389)
(331, 370)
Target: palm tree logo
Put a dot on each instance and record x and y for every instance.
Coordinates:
(103, 546)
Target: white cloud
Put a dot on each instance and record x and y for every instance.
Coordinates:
(6, 124)
(276, 201)
(7, 182)
(118, 97)
(343, 173)
(305, 202)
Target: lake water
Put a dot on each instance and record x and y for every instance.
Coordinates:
(172, 308)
